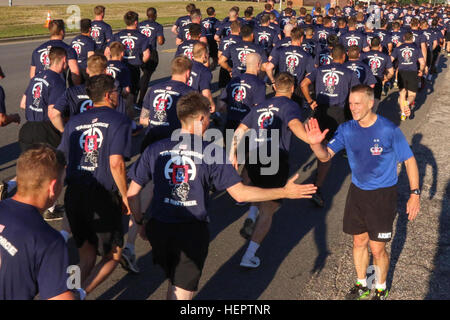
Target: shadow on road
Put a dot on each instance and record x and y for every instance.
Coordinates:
(424, 157)
(439, 286)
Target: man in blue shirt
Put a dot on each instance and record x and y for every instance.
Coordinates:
(183, 171)
(332, 86)
(137, 49)
(40, 56)
(201, 77)
(374, 147)
(210, 24)
(184, 20)
(95, 144)
(233, 38)
(84, 46)
(278, 114)
(6, 119)
(33, 256)
(155, 33)
(158, 112)
(38, 101)
(409, 56)
(101, 32)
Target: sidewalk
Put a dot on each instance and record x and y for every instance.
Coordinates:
(420, 250)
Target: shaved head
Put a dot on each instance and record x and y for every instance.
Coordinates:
(287, 29)
(253, 60)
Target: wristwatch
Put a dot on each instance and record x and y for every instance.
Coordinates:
(416, 192)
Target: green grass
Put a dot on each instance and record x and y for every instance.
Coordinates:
(18, 21)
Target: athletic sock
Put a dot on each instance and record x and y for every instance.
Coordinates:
(253, 213)
(251, 250)
(65, 235)
(363, 282)
(130, 247)
(380, 286)
(11, 184)
(82, 293)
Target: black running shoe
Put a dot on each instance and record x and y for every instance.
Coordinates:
(57, 214)
(381, 294)
(358, 292)
(3, 190)
(317, 199)
(247, 229)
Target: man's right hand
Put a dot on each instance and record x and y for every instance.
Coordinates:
(298, 191)
(315, 136)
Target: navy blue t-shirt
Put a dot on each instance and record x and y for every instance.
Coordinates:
(184, 33)
(322, 56)
(82, 46)
(33, 256)
(152, 30)
(285, 42)
(182, 21)
(418, 37)
(182, 176)
(408, 54)
(2, 101)
(40, 57)
(309, 45)
(119, 71)
(341, 31)
(89, 139)
(43, 90)
(348, 11)
(186, 48)
(274, 113)
(373, 152)
(333, 83)
(354, 38)
(294, 60)
(377, 61)
(161, 101)
(238, 52)
(430, 37)
(321, 34)
(229, 40)
(223, 29)
(200, 78)
(75, 100)
(397, 37)
(242, 93)
(362, 71)
(385, 37)
(135, 44)
(101, 33)
(265, 37)
(209, 25)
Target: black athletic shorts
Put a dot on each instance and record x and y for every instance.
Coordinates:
(330, 117)
(261, 180)
(447, 36)
(378, 88)
(180, 249)
(33, 132)
(224, 78)
(213, 48)
(408, 80)
(95, 215)
(371, 211)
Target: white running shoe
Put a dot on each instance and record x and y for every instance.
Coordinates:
(252, 262)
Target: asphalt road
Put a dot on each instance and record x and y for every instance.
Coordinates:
(301, 238)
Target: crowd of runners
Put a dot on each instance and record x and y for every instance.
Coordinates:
(318, 76)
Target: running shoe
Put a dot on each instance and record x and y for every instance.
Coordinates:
(317, 199)
(247, 229)
(128, 261)
(385, 89)
(358, 292)
(57, 214)
(252, 262)
(381, 294)
(395, 84)
(3, 190)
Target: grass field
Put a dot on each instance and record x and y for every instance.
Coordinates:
(20, 21)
